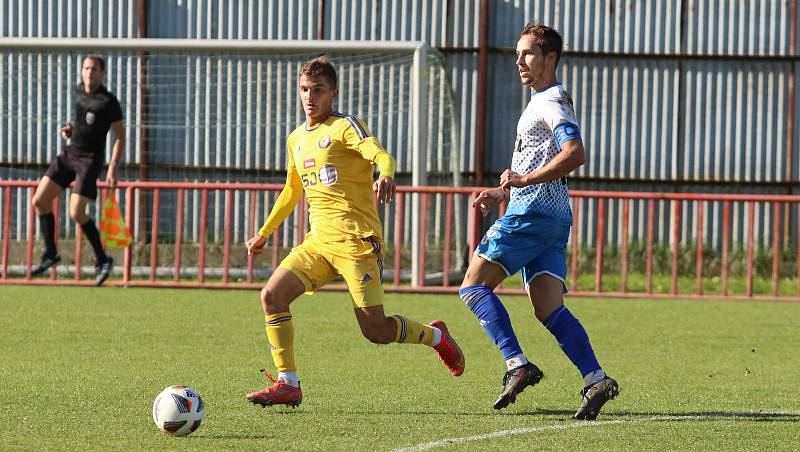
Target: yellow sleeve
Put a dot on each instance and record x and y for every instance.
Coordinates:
(287, 200)
(357, 136)
(386, 163)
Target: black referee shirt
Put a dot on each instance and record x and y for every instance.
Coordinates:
(94, 114)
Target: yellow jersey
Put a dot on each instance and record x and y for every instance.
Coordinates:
(333, 164)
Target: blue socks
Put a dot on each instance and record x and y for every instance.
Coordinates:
(573, 340)
(493, 317)
(568, 331)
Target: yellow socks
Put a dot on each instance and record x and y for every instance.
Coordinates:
(280, 334)
(412, 332)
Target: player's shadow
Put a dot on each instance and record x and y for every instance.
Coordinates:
(387, 412)
(653, 416)
(649, 416)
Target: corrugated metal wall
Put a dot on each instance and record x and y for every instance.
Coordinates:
(712, 27)
(229, 19)
(69, 18)
(738, 28)
(624, 101)
(671, 94)
(629, 26)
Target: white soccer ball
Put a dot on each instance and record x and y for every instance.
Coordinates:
(178, 410)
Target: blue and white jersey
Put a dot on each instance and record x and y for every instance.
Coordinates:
(547, 123)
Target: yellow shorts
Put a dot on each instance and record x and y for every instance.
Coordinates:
(358, 261)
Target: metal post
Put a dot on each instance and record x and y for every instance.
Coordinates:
(31, 238)
(790, 113)
(154, 236)
(144, 151)
(128, 260)
(201, 264)
(576, 209)
(776, 248)
(751, 220)
(226, 255)
(448, 238)
(624, 267)
(601, 227)
(726, 227)
(398, 236)
(419, 134)
(651, 209)
(797, 264)
(676, 237)
(474, 221)
(321, 20)
(699, 265)
(178, 235)
(6, 230)
(483, 68)
(423, 233)
(253, 233)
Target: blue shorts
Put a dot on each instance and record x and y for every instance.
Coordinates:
(535, 245)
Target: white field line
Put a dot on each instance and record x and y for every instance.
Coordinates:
(522, 431)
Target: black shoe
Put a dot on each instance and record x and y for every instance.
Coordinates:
(595, 396)
(103, 270)
(515, 381)
(45, 264)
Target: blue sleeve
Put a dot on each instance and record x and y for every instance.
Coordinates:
(565, 132)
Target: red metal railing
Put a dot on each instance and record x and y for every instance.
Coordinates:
(592, 229)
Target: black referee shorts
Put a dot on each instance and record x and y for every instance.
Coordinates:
(82, 168)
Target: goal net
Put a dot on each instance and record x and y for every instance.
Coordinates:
(221, 111)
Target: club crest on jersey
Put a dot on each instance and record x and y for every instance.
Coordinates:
(309, 163)
(328, 175)
(324, 141)
(89, 118)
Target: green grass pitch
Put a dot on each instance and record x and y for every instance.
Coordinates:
(80, 368)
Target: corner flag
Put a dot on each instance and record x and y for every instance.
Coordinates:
(113, 231)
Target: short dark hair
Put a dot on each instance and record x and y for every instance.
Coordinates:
(322, 67)
(545, 37)
(100, 61)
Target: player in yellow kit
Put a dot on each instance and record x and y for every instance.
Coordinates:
(330, 158)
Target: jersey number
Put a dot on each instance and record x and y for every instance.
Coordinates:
(310, 179)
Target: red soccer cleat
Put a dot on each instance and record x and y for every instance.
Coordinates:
(448, 350)
(278, 394)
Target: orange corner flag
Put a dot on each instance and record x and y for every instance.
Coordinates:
(113, 231)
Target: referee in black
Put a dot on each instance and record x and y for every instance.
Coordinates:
(96, 110)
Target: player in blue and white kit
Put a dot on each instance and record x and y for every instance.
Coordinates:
(533, 233)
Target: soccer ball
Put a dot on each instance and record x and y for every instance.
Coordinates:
(178, 410)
